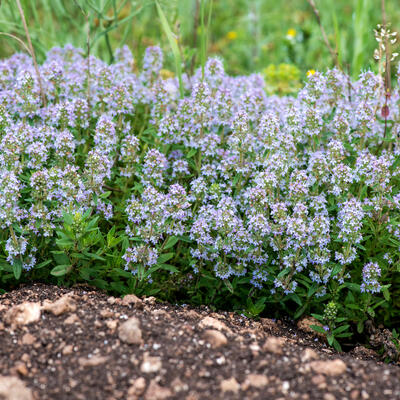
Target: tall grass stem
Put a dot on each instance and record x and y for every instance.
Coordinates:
(32, 51)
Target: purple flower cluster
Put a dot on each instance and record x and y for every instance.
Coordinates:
(261, 186)
(370, 278)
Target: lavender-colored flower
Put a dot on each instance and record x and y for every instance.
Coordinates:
(15, 246)
(152, 63)
(350, 218)
(370, 278)
(129, 155)
(105, 137)
(144, 255)
(154, 166)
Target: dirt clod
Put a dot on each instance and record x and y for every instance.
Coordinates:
(13, 388)
(215, 338)
(330, 367)
(63, 305)
(130, 332)
(230, 385)
(274, 345)
(23, 314)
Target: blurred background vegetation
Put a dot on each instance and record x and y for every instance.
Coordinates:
(282, 39)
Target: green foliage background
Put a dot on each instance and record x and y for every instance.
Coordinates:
(259, 29)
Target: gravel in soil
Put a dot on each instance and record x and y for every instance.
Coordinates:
(58, 343)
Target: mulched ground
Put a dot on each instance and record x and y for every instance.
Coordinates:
(82, 344)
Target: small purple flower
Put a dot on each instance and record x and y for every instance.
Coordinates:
(370, 278)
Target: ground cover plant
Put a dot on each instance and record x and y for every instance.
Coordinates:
(203, 189)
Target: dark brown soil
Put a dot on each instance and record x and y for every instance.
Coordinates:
(81, 354)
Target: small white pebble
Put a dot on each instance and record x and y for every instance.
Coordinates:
(220, 360)
(285, 386)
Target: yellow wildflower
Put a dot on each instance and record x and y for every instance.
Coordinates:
(311, 72)
(231, 35)
(291, 33)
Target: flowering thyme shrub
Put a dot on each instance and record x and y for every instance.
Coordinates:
(225, 196)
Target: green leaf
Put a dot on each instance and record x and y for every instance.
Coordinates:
(149, 271)
(6, 267)
(64, 243)
(312, 290)
(318, 317)
(105, 194)
(60, 270)
(386, 294)
(236, 179)
(92, 224)
(87, 214)
(119, 287)
(371, 312)
(330, 339)
(191, 153)
(168, 267)
(121, 272)
(345, 334)
(68, 219)
(164, 258)
(60, 257)
(300, 311)
(228, 285)
(79, 256)
(94, 256)
(84, 273)
(186, 239)
(353, 306)
(43, 264)
(360, 326)
(318, 328)
(283, 273)
(352, 286)
(100, 283)
(171, 242)
(17, 268)
(336, 269)
(363, 192)
(261, 301)
(336, 345)
(341, 329)
(378, 304)
(295, 298)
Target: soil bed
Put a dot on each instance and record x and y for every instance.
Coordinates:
(83, 344)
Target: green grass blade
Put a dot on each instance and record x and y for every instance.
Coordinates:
(174, 46)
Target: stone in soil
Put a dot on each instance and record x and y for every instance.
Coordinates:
(130, 332)
(63, 305)
(12, 388)
(330, 367)
(215, 338)
(274, 345)
(23, 314)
